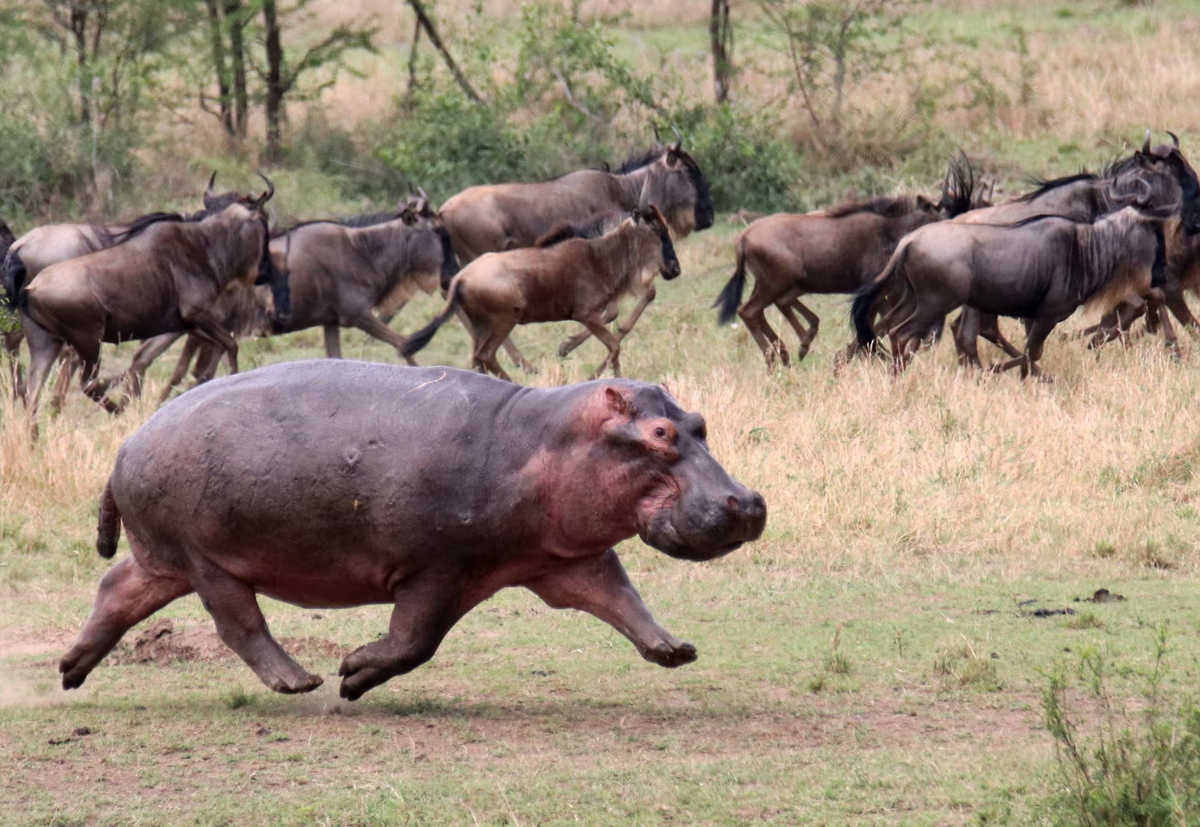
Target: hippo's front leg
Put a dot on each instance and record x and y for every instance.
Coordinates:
(600, 587)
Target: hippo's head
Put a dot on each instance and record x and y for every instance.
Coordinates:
(686, 506)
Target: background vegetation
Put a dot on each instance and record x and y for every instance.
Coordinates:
(897, 648)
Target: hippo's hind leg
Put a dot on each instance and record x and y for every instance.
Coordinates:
(600, 587)
(128, 595)
(422, 617)
(241, 625)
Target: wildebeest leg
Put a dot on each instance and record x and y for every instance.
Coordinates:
(68, 364)
(207, 362)
(1036, 332)
(488, 337)
(600, 587)
(333, 341)
(579, 338)
(1177, 304)
(241, 625)
(626, 327)
(989, 329)
(190, 346)
(149, 350)
(1118, 322)
(12, 350)
(788, 306)
(1156, 305)
(43, 352)
(965, 329)
(89, 376)
(211, 329)
(128, 595)
(609, 341)
(752, 316)
(422, 616)
(373, 327)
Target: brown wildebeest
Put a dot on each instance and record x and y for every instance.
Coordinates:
(166, 279)
(499, 217)
(1042, 269)
(837, 250)
(426, 488)
(1084, 197)
(576, 279)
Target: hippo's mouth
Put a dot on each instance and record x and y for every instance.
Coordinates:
(662, 535)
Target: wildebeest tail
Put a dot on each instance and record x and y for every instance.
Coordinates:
(449, 259)
(868, 295)
(731, 294)
(422, 337)
(108, 532)
(12, 279)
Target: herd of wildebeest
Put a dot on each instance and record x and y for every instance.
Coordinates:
(570, 248)
(331, 483)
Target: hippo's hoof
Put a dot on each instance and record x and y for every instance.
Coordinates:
(666, 654)
(295, 687)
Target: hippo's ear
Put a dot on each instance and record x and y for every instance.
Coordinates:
(619, 401)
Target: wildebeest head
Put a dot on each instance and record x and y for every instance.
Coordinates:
(269, 272)
(215, 202)
(1170, 157)
(416, 212)
(688, 506)
(650, 217)
(675, 182)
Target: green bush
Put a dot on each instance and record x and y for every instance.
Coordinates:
(1139, 767)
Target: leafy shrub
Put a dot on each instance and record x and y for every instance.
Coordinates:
(1137, 767)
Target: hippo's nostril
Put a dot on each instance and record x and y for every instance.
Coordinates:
(733, 503)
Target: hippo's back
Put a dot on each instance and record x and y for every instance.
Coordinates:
(287, 455)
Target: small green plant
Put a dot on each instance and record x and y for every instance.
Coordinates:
(239, 698)
(837, 663)
(1084, 620)
(1138, 767)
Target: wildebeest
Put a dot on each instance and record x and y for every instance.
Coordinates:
(837, 250)
(576, 279)
(166, 279)
(10, 331)
(1159, 174)
(49, 244)
(1042, 269)
(498, 217)
(427, 488)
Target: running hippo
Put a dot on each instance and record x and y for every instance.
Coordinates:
(327, 483)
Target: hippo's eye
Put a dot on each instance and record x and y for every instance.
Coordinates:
(660, 432)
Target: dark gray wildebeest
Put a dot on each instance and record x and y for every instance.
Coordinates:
(10, 331)
(500, 217)
(576, 279)
(1085, 197)
(1042, 269)
(337, 273)
(166, 279)
(53, 243)
(465, 486)
(837, 250)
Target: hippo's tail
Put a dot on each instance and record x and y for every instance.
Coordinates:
(731, 295)
(12, 279)
(108, 532)
(422, 337)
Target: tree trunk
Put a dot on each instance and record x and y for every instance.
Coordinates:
(275, 87)
(79, 21)
(412, 58)
(235, 20)
(220, 66)
(720, 33)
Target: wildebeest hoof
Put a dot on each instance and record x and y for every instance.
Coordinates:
(666, 654)
(564, 350)
(305, 684)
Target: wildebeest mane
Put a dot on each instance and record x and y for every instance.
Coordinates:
(594, 227)
(355, 222)
(886, 206)
(960, 180)
(106, 238)
(641, 159)
(6, 236)
(1045, 185)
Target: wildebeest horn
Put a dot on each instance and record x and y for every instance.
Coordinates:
(1146, 144)
(424, 200)
(266, 196)
(1174, 138)
(208, 193)
(644, 197)
(1148, 192)
(678, 139)
(657, 139)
